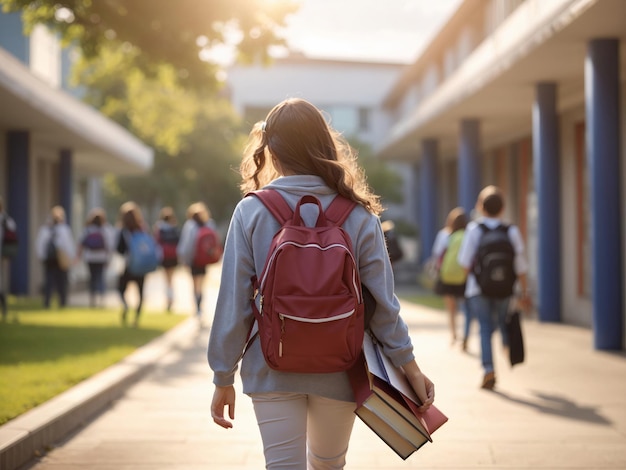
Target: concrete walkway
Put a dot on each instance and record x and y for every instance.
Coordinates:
(565, 408)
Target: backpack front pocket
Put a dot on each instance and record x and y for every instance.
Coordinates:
(316, 334)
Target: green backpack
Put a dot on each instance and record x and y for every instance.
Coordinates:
(450, 271)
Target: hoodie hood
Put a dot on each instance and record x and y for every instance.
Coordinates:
(301, 185)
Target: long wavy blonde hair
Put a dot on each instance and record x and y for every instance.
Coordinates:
(297, 135)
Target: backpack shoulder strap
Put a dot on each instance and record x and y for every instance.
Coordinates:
(275, 203)
(339, 210)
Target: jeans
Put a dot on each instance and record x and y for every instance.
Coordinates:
(491, 314)
(468, 319)
(96, 278)
(122, 284)
(301, 432)
(55, 280)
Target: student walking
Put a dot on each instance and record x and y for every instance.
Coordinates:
(305, 419)
(140, 252)
(95, 249)
(198, 233)
(8, 244)
(55, 248)
(492, 252)
(167, 235)
(451, 276)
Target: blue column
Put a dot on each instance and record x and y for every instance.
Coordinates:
(428, 196)
(65, 183)
(18, 189)
(603, 154)
(546, 156)
(469, 164)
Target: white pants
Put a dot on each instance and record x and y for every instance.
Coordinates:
(297, 429)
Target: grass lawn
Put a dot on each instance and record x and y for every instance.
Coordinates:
(45, 352)
(422, 298)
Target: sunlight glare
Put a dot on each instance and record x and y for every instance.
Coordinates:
(64, 15)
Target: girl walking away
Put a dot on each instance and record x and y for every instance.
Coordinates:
(195, 237)
(305, 419)
(95, 249)
(167, 235)
(451, 275)
(140, 251)
(55, 248)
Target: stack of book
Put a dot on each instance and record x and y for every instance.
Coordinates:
(387, 404)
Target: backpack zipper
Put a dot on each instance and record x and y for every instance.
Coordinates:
(284, 316)
(340, 316)
(282, 334)
(357, 288)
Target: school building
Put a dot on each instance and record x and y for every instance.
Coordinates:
(54, 149)
(349, 93)
(529, 95)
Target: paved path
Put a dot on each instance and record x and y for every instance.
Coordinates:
(565, 408)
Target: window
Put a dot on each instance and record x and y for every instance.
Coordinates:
(344, 119)
(364, 119)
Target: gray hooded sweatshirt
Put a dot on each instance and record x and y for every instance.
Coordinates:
(251, 230)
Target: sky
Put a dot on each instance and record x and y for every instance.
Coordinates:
(373, 30)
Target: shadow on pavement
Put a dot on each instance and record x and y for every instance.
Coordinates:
(558, 406)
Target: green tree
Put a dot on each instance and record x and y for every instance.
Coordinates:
(147, 64)
(383, 179)
(195, 133)
(180, 33)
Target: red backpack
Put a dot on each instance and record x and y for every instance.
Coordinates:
(167, 238)
(208, 247)
(310, 306)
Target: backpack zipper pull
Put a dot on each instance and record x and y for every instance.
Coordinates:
(282, 332)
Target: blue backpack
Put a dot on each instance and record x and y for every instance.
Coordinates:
(143, 253)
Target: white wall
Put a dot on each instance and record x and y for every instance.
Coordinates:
(575, 309)
(326, 84)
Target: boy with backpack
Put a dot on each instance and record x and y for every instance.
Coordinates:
(492, 252)
(55, 248)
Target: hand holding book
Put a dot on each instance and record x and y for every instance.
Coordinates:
(421, 385)
(396, 403)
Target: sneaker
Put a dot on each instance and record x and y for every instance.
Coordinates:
(489, 381)
(464, 345)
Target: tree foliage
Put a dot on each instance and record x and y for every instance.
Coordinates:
(175, 32)
(384, 181)
(195, 133)
(147, 65)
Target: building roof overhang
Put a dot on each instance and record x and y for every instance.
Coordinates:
(55, 118)
(496, 83)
